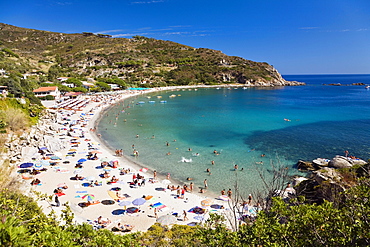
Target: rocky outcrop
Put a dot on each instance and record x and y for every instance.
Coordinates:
(326, 180)
(345, 162)
(39, 136)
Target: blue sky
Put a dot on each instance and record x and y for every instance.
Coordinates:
(295, 36)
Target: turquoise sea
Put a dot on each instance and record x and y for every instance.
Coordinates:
(242, 125)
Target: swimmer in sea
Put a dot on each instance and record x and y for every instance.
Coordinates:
(213, 162)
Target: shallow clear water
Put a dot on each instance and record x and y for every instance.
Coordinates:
(242, 125)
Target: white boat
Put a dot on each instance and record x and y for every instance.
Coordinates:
(163, 101)
(183, 159)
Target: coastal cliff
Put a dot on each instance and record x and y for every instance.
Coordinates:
(136, 62)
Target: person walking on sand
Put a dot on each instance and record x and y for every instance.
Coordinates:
(185, 215)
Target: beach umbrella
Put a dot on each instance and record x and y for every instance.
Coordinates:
(90, 178)
(88, 197)
(105, 159)
(166, 181)
(81, 160)
(73, 150)
(124, 203)
(207, 202)
(43, 148)
(118, 211)
(55, 158)
(44, 162)
(96, 152)
(224, 198)
(143, 170)
(132, 210)
(107, 202)
(26, 165)
(166, 219)
(138, 201)
(38, 166)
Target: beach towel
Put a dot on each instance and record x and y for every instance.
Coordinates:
(162, 208)
(156, 205)
(59, 194)
(81, 191)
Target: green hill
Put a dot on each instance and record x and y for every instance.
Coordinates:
(134, 61)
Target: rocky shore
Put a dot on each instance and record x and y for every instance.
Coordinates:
(327, 178)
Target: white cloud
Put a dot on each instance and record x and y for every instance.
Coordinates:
(148, 2)
(308, 28)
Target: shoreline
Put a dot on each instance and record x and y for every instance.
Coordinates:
(63, 172)
(124, 157)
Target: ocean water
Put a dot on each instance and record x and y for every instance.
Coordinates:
(247, 127)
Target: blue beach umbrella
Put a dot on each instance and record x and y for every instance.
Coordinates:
(26, 165)
(138, 201)
(81, 160)
(124, 203)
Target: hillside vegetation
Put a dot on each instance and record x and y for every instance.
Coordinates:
(127, 62)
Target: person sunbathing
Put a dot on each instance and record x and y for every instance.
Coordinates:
(79, 166)
(78, 177)
(114, 179)
(106, 174)
(124, 228)
(103, 222)
(36, 181)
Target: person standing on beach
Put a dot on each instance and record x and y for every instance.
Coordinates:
(223, 192)
(229, 193)
(155, 174)
(185, 215)
(191, 186)
(205, 184)
(57, 202)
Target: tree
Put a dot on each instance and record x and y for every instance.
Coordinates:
(76, 82)
(104, 86)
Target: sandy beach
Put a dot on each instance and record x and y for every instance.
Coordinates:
(116, 197)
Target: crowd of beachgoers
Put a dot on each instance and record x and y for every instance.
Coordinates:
(105, 189)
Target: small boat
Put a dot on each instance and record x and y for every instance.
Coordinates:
(159, 96)
(163, 101)
(151, 101)
(148, 97)
(186, 160)
(287, 120)
(244, 88)
(172, 96)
